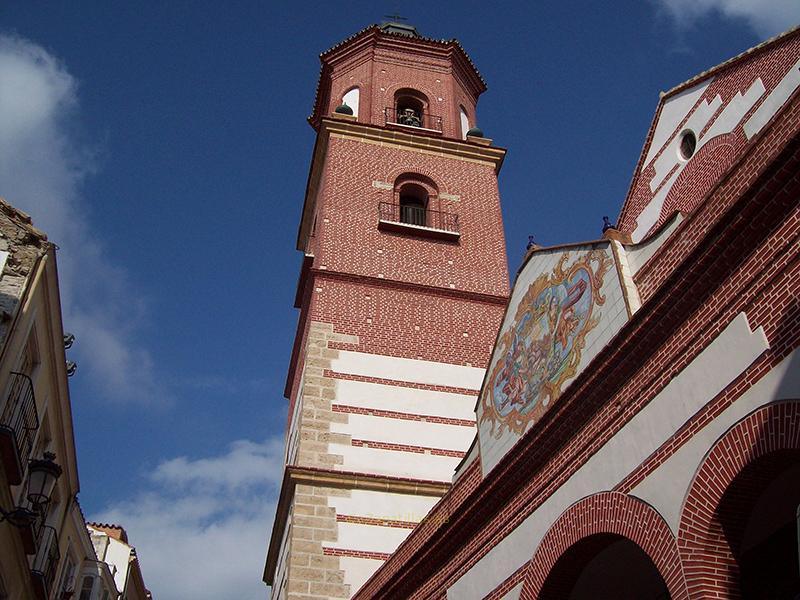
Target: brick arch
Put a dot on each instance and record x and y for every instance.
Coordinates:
(409, 168)
(608, 513)
(708, 165)
(701, 533)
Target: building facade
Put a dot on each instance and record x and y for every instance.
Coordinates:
(639, 423)
(402, 288)
(45, 549)
(112, 548)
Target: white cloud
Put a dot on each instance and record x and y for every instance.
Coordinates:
(42, 165)
(765, 17)
(201, 528)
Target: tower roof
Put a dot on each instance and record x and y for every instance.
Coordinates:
(400, 29)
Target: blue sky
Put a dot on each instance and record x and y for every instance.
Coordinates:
(150, 140)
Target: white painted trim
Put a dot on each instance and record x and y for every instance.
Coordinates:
(377, 461)
(672, 113)
(513, 593)
(773, 102)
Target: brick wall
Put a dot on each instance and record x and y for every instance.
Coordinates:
(736, 253)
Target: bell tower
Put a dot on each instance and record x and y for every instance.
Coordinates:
(402, 288)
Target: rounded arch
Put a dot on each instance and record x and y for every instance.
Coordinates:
(351, 97)
(414, 195)
(601, 519)
(419, 171)
(411, 107)
(725, 490)
(407, 179)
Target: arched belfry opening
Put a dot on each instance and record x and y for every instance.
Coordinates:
(411, 108)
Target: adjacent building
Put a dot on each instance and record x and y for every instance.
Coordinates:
(45, 548)
(112, 548)
(636, 418)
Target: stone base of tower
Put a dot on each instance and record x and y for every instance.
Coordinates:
(373, 442)
(341, 527)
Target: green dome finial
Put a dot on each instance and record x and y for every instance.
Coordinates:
(343, 109)
(475, 132)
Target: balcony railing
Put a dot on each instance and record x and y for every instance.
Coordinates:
(43, 571)
(409, 117)
(18, 425)
(402, 217)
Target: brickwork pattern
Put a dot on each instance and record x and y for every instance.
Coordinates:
(711, 566)
(739, 253)
(391, 414)
(380, 64)
(702, 171)
(348, 239)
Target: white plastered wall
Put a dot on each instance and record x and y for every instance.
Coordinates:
(412, 433)
(378, 505)
(377, 461)
(731, 352)
(358, 570)
(365, 394)
(407, 369)
(773, 102)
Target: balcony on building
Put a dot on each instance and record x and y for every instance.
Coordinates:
(412, 118)
(416, 219)
(45, 564)
(19, 422)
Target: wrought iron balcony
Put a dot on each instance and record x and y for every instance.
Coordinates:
(43, 571)
(418, 220)
(18, 425)
(409, 117)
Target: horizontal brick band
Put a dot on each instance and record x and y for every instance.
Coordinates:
(408, 384)
(407, 448)
(391, 414)
(355, 553)
(375, 521)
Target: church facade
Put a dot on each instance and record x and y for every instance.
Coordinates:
(637, 423)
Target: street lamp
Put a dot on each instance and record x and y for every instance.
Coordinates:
(42, 476)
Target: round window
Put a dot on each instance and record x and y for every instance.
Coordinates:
(688, 145)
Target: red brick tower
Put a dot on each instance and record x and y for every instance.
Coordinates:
(403, 285)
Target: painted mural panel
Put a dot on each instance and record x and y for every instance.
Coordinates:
(563, 303)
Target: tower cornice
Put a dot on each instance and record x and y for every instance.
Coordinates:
(373, 134)
(294, 476)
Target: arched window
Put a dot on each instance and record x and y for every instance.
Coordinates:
(410, 107)
(464, 123)
(413, 204)
(351, 99)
